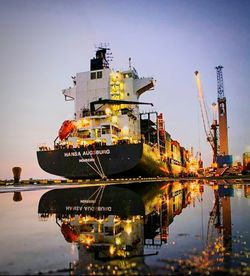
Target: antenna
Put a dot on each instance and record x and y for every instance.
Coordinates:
(129, 62)
(102, 45)
(109, 56)
(106, 53)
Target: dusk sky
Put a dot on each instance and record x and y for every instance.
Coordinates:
(44, 43)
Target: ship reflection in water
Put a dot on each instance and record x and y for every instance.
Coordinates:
(106, 223)
(171, 228)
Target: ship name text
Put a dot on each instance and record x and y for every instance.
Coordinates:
(87, 153)
(89, 208)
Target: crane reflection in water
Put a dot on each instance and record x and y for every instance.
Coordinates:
(114, 226)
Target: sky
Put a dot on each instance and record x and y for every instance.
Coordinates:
(44, 43)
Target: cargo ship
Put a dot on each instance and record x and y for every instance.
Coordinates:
(109, 137)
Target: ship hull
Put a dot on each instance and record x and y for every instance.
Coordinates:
(127, 160)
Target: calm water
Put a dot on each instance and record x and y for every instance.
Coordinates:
(147, 229)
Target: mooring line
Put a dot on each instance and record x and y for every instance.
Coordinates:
(97, 192)
(96, 170)
(100, 171)
(103, 174)
(102, 191)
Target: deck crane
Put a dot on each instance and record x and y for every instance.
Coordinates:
(210, 130)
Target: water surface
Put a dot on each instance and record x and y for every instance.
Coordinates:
(145, 228)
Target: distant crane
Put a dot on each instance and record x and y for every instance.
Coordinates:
(222, 110)
(210, 130)
(220, 220)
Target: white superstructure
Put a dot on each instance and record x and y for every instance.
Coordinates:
(106, 104)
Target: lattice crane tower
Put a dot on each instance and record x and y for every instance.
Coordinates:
(222, 112)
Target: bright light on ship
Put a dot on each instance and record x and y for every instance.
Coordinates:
(125, 130)
(118, 241)
(111, 250)
(114, 119)
(108, 111)
(89, 240)
(121, 86)
(128, 229)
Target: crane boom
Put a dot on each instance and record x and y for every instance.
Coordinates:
(204, 113)
(211, 137)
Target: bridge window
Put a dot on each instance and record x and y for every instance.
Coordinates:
(99, 74)
(93, 75)
(106, 129)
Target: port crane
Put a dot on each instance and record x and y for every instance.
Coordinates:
(210, 130)
(222, 110)
(220, 219)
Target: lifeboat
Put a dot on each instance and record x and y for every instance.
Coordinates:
(69, 233)
(66, 128)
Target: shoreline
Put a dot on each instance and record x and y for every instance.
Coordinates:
(110, 181)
